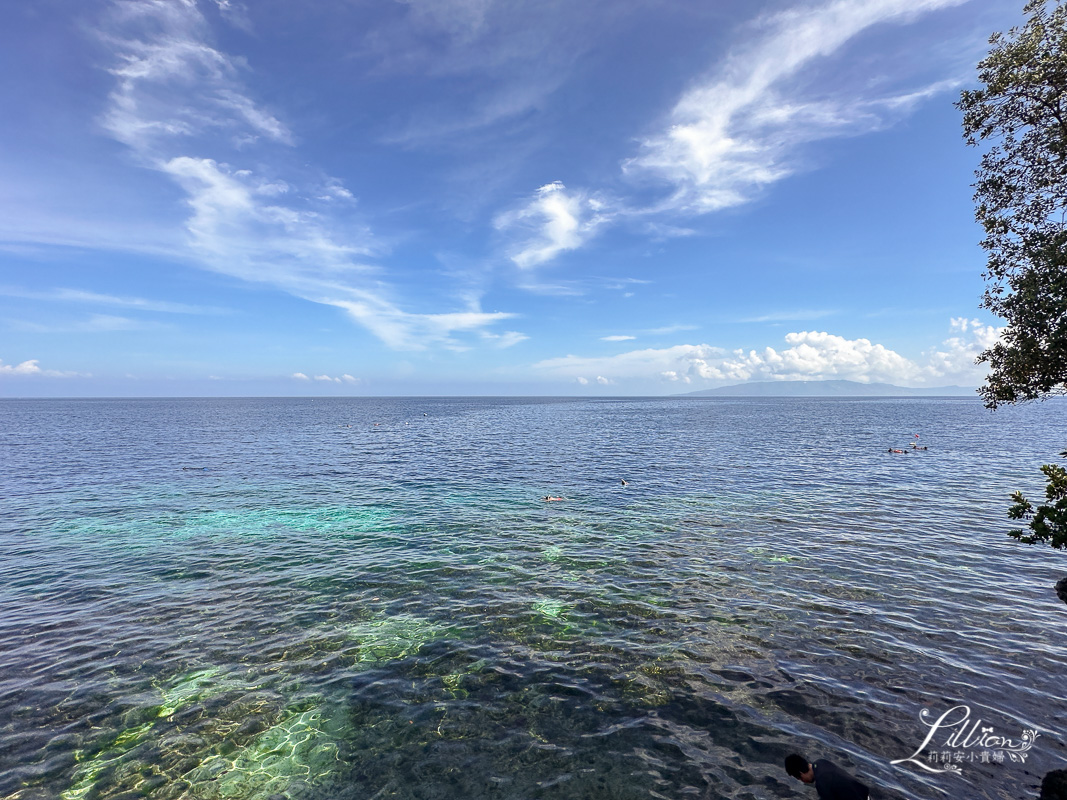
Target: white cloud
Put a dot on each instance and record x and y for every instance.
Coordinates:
(31, 368)
(624, 283)
(617, 338)
(345, 378)
(138, 303)
(553, 221)
(505, 339)
(170, 82)
(238, 233)
(404, 331)
(809, 355)
(109, 322)
(96, 323)
(671, 329)
(175, 94)
(559, 289)
(820, 355)
(955, 357)
(684, 359)
(797, 315)
(335, 190)
(739, 132)
(741, 129)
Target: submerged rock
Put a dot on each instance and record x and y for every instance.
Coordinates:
(297, 753)
(393, 637)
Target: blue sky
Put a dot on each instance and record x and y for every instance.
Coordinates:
(487, 197)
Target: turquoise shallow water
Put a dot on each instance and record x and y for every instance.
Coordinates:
(367, 598)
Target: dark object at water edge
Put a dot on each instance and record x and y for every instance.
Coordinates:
(1061, 589)
(1054, 786)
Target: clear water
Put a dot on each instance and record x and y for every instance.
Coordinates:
(367, 598)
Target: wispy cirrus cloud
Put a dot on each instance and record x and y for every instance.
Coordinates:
(182, 107)
(96, 298)
(740, 131)
(796, 315)
(676, 328)
(518, 55)
(505, 339)
(661, 331)
(737, 132)
(95, 323)
(172, 83)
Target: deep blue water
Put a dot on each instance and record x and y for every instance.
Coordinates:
(367, 598)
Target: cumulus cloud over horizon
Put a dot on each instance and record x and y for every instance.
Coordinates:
(32, 368)
(809, 355)
(345, 378)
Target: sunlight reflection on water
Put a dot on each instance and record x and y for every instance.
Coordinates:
(244, 598)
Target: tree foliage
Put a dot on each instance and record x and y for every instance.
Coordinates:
(1048, 522)
(1021, 202)
(1020, 114)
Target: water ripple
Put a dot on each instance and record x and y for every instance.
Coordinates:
(367, 598)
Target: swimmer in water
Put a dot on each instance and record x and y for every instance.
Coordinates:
(550, 498)
(625, 482)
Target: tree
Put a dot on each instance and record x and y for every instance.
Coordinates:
(1020, 111)
(1048, 522)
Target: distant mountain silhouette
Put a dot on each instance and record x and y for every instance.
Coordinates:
(829, 389)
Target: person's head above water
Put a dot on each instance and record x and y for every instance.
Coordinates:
(831, 782)
(798, 767)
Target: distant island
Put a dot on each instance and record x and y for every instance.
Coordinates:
(829, 389)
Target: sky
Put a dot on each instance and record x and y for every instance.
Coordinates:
(487, 197)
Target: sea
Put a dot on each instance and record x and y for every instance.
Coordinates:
(369, 598)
